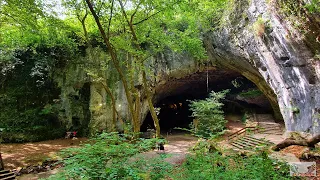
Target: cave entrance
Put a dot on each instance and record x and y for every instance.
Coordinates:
(172, 98)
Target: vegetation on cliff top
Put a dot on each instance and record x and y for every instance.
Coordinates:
(52, 42)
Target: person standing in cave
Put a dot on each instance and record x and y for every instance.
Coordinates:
(160, 147)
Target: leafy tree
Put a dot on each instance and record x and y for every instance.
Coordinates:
(133, 33)
(136, 31)
(208, 114)
(34, 43)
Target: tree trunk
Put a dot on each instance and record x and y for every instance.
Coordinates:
(114, 59)
(85, 30)
(115, 113)
(146, 86)
(288, 142)
(151, 107)
(136, 123)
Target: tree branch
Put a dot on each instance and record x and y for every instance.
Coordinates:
(141, 21)
(110, 18)
(135, 11)
(124, 12)
(114, 59)
(288, 142)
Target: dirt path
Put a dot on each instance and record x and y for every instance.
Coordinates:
(176, 149)
(16, 156)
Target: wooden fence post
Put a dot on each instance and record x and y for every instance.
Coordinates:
(1, 163)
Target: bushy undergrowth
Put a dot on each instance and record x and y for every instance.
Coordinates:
(106, 157)
(111, 156)
(215, 166)
(207, 162)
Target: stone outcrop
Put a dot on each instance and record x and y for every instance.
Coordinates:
(254, 41)
(277, 62)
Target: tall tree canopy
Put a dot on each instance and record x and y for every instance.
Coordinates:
(131, 33)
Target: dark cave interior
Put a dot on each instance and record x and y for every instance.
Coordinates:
(173, 98)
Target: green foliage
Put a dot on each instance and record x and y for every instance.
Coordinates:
(251, 93)
(28, 25)
(299, 14)
(314, 6)
(208, 114)
(110, 156)
(28, 112)
(214, 166)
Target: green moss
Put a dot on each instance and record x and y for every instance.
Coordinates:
(295, 110)
(251, 93)
(304, 18)
(260, 26)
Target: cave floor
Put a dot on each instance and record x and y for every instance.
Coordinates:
(16, 156)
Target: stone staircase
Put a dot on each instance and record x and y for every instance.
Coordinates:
(249, 143)
(249, 138)
(7, 175)
(270, 128)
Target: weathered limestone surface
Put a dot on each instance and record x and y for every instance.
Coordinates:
(282, 67)
(285, 63)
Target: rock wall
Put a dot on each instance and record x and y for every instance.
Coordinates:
(254, 41)
(272, 58)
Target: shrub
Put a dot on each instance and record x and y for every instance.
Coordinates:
(110, 156)
(106, 157)
(208, 114)
(214, 166)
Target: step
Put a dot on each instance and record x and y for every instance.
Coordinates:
(4, 171)
(257, 144)
(243, 145)
(268, 125)
(270, 129)
(246, 143)
(257, 140)
(6, 174)
(9, 177)
(271, 132)
(250, 142)
(237, 145)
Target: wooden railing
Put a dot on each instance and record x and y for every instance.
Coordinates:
(240, 132)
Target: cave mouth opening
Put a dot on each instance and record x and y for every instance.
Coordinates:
(173, 99)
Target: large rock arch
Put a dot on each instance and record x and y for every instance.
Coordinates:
(282, 67)
(274, 61)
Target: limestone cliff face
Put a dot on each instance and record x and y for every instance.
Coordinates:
(271, 58)
(253, 41)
